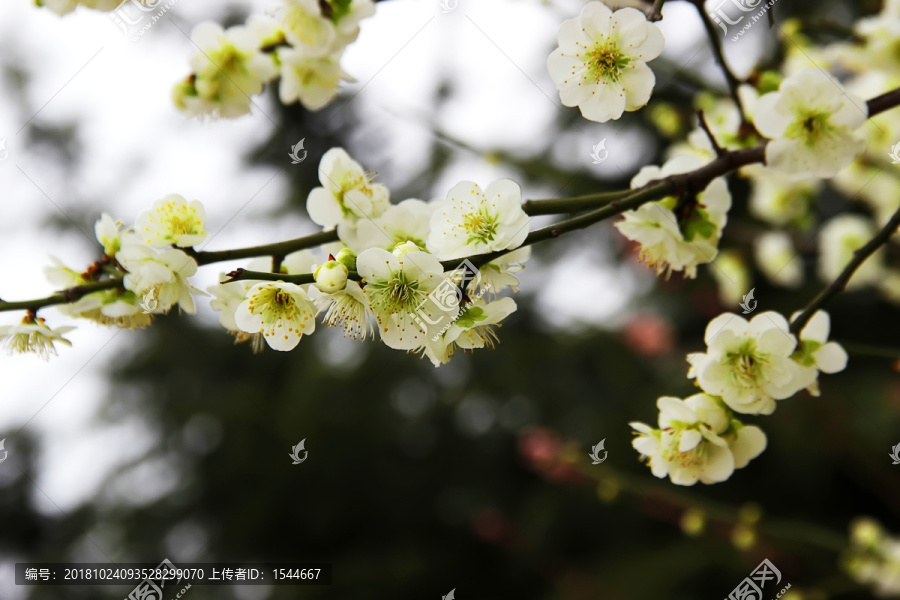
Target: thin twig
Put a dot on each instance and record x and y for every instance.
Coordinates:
(66, 296)
(716, 43)
(840, 283)
(712, 139)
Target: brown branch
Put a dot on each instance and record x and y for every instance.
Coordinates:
(840, 283)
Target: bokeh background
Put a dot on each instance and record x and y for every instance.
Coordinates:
(172, 442)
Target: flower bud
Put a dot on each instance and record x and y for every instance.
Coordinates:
(347, 257)
(405, 248)
(331, 277)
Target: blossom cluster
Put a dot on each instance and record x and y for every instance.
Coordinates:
(747, 367)
(398, 269)
(302, 44)
(873, 557)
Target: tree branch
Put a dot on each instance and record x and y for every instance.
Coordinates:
(67, 296)
(301, 279)
(277, 249)
(716, 43)
(840, 283)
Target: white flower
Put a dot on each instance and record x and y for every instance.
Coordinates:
(33, 336)
(226, 298)
(305, 27)
(331, 277)
(314, 81)
(162, 275)
(173, 221)
(778, 199)
(280, 311)
(815, 353)
(226, 71)
(346, 15)
(470, 221)
(347, 308)
(601, 63)
(62, 7)
(346, 196)
(778, 260)
(838, 240)
(748, 364)
(409, 221)
(670, 243)
(697, 440)
(109, 234)
(873, 557)
(395, 288)
(812, 122)
(499, 274)
(472, 329)
(732, 277)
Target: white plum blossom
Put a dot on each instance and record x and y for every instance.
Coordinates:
(474, 328)
(347, 195)
(280, 311)
(346, 15)
(62, 7)
(500, 274)
(778, 260)
(697, 440)
(873, 557)
(33, 336)
(815, 353)
(109, 234)
(305, 27)
(470, 221)
(408, 221)
(227, 296)
(748, 364)
(601, 62)
(172, 221)
(779, 200)
(395, 287)
(347, 308)
(314, 81)
(813, 123)
(671, 242)
(838, 240)
(162, 275)
(227, 70)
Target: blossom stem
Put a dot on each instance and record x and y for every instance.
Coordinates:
(840, 283)
(557, 206)
(655, 12)
(701, 118)
(278, 249)
(716, 43)
(67, 296)
(301, 279)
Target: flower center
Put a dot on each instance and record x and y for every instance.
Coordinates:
(396, 294)
(809, 127)
(481, 226)
(747, 363)
(606, 62)
(274, 304)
